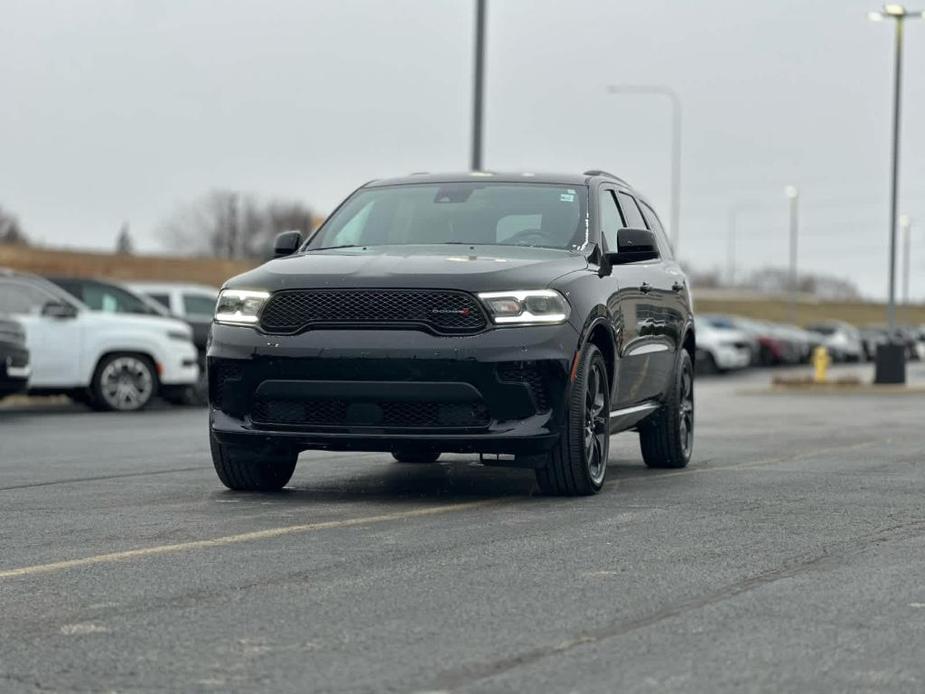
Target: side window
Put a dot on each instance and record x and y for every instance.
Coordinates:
(20, 298)
(611, 221)
(112, 300)
(162, 299)
(631, 212)
(664, 247)
(198, 305)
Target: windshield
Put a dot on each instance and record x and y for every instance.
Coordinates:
(470, 212)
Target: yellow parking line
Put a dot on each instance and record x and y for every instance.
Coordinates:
(267, 534)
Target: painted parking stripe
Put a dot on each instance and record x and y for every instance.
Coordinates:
(269, 533)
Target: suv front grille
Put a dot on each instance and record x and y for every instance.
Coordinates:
(384, 414)
(441, 311)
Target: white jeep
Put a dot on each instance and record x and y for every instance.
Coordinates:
(109, 361)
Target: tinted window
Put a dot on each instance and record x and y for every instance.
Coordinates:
(611, 222)
(22, 298)
(162, 299)
(100, 297)
(631, 213)
(655, 224)
(198, 305)
(483, 212)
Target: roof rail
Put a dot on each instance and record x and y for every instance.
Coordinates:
(599, 172)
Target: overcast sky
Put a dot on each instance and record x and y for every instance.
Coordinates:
(115, 110)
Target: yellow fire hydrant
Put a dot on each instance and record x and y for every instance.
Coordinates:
(821, 361)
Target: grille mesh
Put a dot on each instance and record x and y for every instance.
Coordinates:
(450, 312)
(412, 415)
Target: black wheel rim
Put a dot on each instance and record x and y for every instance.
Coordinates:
(595, 424)
(686, 410)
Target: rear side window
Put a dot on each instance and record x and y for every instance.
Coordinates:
(162, 299)
(631, 212)
(664, 246)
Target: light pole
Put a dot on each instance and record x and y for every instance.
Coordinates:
(478, 86)
(794, 196)
(891, 360)
(905, 228)
(732, 231)
(675, 101)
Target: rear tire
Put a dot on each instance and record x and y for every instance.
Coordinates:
(252, 469)
(415, 455)
(577, 466)
(667, 436)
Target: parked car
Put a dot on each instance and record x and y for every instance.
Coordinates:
(523, 316)
(871, 338)
(111, 361)
(721, 346)
(194, 303)
(14, 357)
(109, 297)
(842, 340)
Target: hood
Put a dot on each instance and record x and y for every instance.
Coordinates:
(144, 322)
(473, 268)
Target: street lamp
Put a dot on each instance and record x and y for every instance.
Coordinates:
(891, 359)
(675, 101)
(793, 195)
(478, 87)
(905, 228)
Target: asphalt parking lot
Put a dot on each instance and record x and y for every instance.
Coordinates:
(788, 557)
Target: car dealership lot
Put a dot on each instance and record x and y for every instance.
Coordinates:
(787, 557)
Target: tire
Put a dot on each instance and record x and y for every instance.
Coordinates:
(415, 454)
(667, 436)
(123, 383)
(577, 466)
(252, 469)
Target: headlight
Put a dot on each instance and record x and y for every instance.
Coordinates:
(526, 306)
(239, 306)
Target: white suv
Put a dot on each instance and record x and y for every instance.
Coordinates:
(111, 361)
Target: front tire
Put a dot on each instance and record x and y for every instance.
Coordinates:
(123, 383)
(252, 469)
(667, 437)
(577, 465)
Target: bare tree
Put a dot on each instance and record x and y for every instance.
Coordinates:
(124, 243)
(10, 230)
(228, 224)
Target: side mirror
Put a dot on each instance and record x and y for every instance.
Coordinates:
(633, 246)
(287, 243)
(58, 309)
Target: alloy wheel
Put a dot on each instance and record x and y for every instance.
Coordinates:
(596, 434)
(126, 383)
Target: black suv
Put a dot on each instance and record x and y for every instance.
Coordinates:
(522, 317)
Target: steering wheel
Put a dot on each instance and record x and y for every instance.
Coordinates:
(528, 237)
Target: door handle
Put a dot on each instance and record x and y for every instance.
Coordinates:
(677, 286)
(645, 287)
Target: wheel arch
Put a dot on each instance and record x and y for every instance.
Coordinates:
(147, 356)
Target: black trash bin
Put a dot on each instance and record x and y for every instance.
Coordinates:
(891, 363)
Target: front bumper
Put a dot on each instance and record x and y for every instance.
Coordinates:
(501, 391)
(179, 366)
(14, 369)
